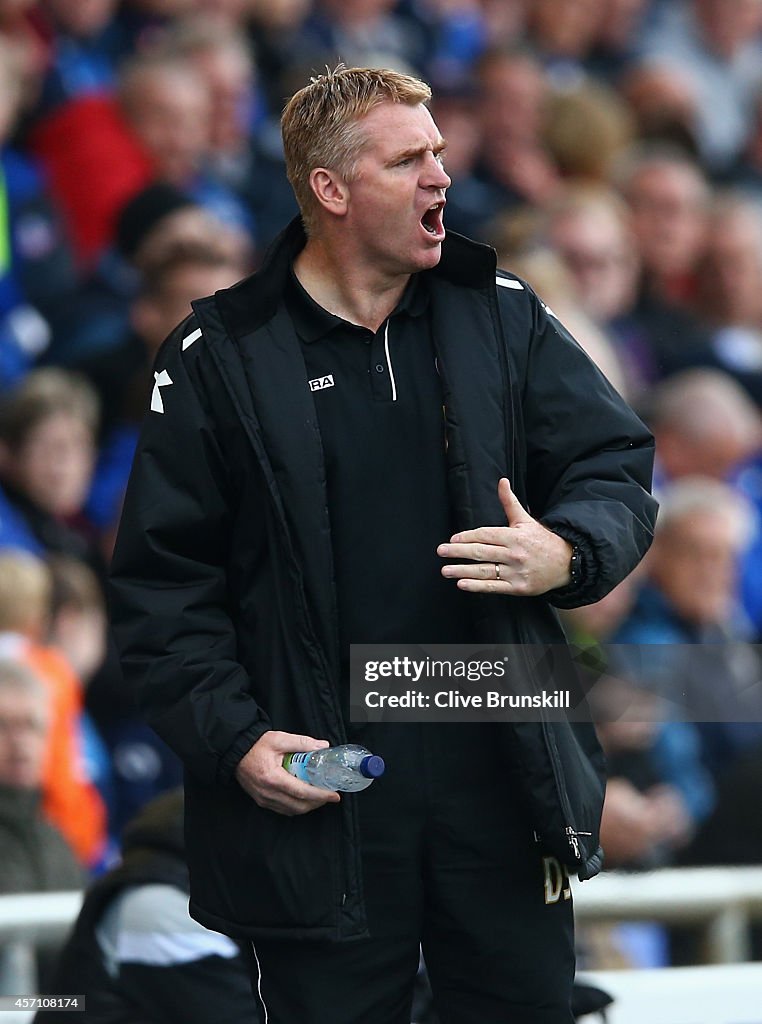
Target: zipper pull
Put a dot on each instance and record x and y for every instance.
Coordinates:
(573, 842)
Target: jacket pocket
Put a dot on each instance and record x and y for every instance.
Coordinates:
(261, 872)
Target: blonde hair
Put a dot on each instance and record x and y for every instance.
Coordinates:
(321, 123)
(74, 585)
(697, 403)
(44, 393)
(19, 677)
(584, 197)
(25, 593)
(200, 34)
(148, 68)
(587, 129)
(699, 495)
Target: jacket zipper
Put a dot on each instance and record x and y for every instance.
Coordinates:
(574, 841)
(302, 603)
(563, 797)
(570, 832)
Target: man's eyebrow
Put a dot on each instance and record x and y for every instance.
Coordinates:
(436, 149)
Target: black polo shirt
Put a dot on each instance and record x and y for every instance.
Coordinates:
(379, 406)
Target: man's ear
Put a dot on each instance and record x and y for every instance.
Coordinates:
(330, 190)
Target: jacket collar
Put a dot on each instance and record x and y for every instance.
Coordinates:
(253, 301)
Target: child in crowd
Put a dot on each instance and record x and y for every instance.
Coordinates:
(70, 799)
(47, 449)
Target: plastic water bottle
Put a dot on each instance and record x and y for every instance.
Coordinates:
(347, 769)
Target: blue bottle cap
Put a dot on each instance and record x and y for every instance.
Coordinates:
(372, 766)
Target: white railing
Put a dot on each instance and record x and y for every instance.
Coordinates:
(723, 900)
(27, 922)
(726, 994)
(41, 917)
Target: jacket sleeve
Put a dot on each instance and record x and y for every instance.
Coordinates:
(168, 595)
(589, 461)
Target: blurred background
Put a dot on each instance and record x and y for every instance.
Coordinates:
(610, 150)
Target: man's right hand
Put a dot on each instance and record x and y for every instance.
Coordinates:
(262, 775)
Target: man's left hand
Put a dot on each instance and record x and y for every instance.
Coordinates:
(523, 558)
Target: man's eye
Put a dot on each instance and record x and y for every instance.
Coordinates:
(405, 162)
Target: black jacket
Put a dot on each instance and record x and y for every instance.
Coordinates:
(223, 586)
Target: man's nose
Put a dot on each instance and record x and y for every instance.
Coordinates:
(434, 175)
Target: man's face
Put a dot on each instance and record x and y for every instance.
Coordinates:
(514, 94)
(171, 115)
(568, 27)
(729, 24)
(694, 564)
(84, 18)
(732, 269)
(230, 79)
(23, 736)
(594, 246)
(154, 316)
(668, 217)
(54, 464)
(396, 200)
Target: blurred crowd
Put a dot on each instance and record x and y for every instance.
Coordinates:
(610, 150)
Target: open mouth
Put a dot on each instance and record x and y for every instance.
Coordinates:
(432, 220)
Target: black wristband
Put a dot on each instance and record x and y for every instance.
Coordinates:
(575, 566)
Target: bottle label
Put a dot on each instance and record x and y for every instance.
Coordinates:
(297, 764)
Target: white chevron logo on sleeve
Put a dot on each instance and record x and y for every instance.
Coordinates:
(160, 380)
